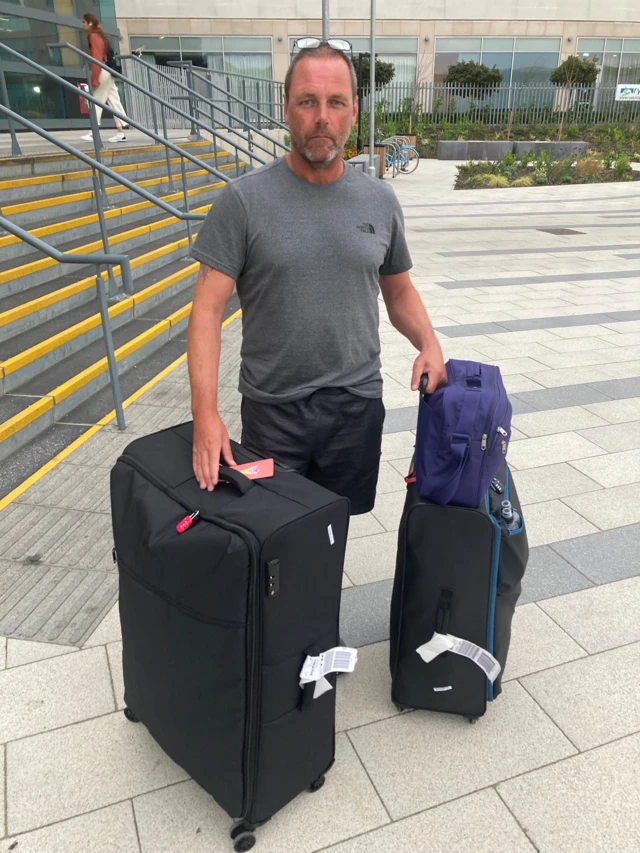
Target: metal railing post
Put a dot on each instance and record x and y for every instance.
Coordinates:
(195, 133)
(229, 100)
(16, 151)
(153, 103)
(185, 195)
(113, 287)
(244, 98)
(111, 355)
(213, 124)
(166, 150)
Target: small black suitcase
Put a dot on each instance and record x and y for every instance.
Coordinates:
(458, 573)
(217, 621)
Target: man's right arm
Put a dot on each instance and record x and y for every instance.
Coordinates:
(210, 437)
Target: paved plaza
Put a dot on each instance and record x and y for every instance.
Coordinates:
(544, 282)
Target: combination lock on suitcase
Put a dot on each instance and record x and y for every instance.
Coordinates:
(218, 620)
(456, 586)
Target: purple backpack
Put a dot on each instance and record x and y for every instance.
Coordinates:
(463, 434)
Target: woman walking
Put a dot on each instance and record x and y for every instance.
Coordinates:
(102, 83)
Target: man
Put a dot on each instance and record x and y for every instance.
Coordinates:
(308, 241)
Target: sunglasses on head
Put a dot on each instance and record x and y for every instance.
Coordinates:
(309, 42)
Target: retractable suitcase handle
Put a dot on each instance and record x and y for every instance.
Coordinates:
(242, 483)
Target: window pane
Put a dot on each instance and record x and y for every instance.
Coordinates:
(43, 5)
(538, 45)
(247, 43)
(248, 64)
(444, 61)
(458, 45)
(29, 37)
(497, 44)
(502, 61)
(202, 45)
(533, 68)
(591, 45)
(630, 68)
(405, 67)
(34, 96)
(610, 66)
(156, 44)
(631, 46)
(613, 45)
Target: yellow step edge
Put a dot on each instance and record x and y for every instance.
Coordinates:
(84, 377)
(114, 240)
(70, 198)
(65, 177)
(11, 365)
(62, 155)
(16, 362)
(154, 289)
(90, 218)
(82, 439)
(180, 314)
(34, 305)
(25, 417)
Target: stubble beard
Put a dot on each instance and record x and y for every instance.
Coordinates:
(313, 158)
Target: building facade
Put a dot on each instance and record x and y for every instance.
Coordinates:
(526, 40)
(29, 27)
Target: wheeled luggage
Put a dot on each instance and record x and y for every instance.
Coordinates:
(218, 620)
(463, 434)
(456, 585)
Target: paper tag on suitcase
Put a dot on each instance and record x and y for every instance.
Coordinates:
(338, 659)
(255, 470)
(440, 643)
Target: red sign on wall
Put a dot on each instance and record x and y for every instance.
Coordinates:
(84, 103)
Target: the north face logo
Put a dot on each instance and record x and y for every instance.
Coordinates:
(366, 228)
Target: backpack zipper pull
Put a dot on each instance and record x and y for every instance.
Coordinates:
(483, 446)
(502, 432)
(187, 522)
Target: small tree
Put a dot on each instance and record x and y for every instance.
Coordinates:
(481, 77)
(385, 71)
(574, 71)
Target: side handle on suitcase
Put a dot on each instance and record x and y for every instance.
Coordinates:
(242, 483)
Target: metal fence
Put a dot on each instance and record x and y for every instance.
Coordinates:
(265, 95)
(140, 107)
(429, 103)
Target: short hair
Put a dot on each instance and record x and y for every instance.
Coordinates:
(323, 51)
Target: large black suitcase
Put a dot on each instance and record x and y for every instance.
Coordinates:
(458, 573)
(217, 621)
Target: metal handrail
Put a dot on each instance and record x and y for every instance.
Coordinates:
(99, 259)
(226, 73)
(156, 99)
(205, 79)
(96, 165)
(211, 103)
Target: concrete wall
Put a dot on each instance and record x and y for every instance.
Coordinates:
(439, 10)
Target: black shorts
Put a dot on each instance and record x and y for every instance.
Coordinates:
(332, 437)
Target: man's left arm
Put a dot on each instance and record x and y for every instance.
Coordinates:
(409, 317)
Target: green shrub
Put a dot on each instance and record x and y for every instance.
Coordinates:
(622, 165)
(527, 181)
(495, 181)
(528, 158)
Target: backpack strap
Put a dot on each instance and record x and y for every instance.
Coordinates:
(460, 445)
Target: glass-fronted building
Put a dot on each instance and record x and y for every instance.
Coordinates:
(29, 27)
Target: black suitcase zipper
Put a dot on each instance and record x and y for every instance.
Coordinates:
(252, 727)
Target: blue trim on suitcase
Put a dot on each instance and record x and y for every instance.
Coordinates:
(495, 562)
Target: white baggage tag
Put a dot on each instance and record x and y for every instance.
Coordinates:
(440, 643)
(315, 668)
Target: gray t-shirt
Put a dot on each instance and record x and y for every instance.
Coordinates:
(306, 259)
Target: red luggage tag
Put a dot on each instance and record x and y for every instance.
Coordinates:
(255, 470)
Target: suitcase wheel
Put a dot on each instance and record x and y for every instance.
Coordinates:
(473, 720)
(244, 842)
(130, 716)
(400, 708)
(241, 827)
(315, 786)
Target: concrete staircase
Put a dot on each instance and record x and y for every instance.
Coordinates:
(53, 368)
